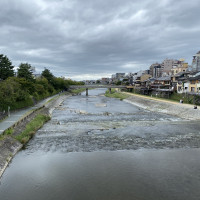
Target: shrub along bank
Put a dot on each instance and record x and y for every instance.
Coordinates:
(115, 94)
(185, 97)
(22, 89)
(77, 91)
(16, 93)
(175, 97)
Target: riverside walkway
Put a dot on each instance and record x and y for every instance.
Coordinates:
(15, 116)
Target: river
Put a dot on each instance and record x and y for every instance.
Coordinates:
(98, 148)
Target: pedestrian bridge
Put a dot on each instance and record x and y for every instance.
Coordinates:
(97, 86)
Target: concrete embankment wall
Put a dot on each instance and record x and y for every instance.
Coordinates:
(10, 146)
(185, 111)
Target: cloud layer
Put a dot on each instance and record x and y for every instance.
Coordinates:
(93, 38)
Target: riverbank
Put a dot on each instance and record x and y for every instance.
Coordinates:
(114, 94)
(14, 138)
(184, 111)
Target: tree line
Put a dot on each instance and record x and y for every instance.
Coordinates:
(22, 89)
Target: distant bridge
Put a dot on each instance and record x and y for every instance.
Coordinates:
(98, 86)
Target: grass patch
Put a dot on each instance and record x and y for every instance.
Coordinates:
(77, 91)
(115, 94)
(9, 131)
(175, 97)
(6, 133)
(50, 100)
(31, 128)
(186, 98)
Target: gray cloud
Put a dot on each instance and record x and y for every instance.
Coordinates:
(94, 38)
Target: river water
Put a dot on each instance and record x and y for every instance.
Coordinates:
(98, 148)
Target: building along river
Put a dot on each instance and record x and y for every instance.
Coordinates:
(98, 148)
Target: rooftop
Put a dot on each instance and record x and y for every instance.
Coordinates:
(165, 78)
(194, 78)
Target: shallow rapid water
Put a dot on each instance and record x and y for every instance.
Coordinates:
(101, 148)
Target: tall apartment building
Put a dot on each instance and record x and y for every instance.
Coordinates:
(155, 70)
(120, 76)
(167, 65)
(196, 62)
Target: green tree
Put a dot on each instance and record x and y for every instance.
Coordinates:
(118, 83)
(13, 94)
(27, 85)
(25, 71)
(60, 84)
(42, 81)
(98, 82)
(48, 75)
(6, 68)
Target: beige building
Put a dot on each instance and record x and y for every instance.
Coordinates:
(140, 80)
(181, 66)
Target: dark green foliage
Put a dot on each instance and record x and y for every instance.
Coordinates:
(6, 68)
(27, 85)
(25, 71)
(187, 98)
(58, 83)
(12, 93)
(118, 83)
(24, 90)
(48, 75)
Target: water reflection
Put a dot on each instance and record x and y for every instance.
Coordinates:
(148, 175)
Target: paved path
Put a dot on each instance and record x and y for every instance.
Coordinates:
(17, 115)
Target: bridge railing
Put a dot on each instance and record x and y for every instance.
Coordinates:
(96, 86)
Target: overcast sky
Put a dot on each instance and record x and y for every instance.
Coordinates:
(88, 39)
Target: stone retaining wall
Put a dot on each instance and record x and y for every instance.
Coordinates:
(184, 111)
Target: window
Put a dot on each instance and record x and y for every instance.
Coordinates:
(192, 89)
